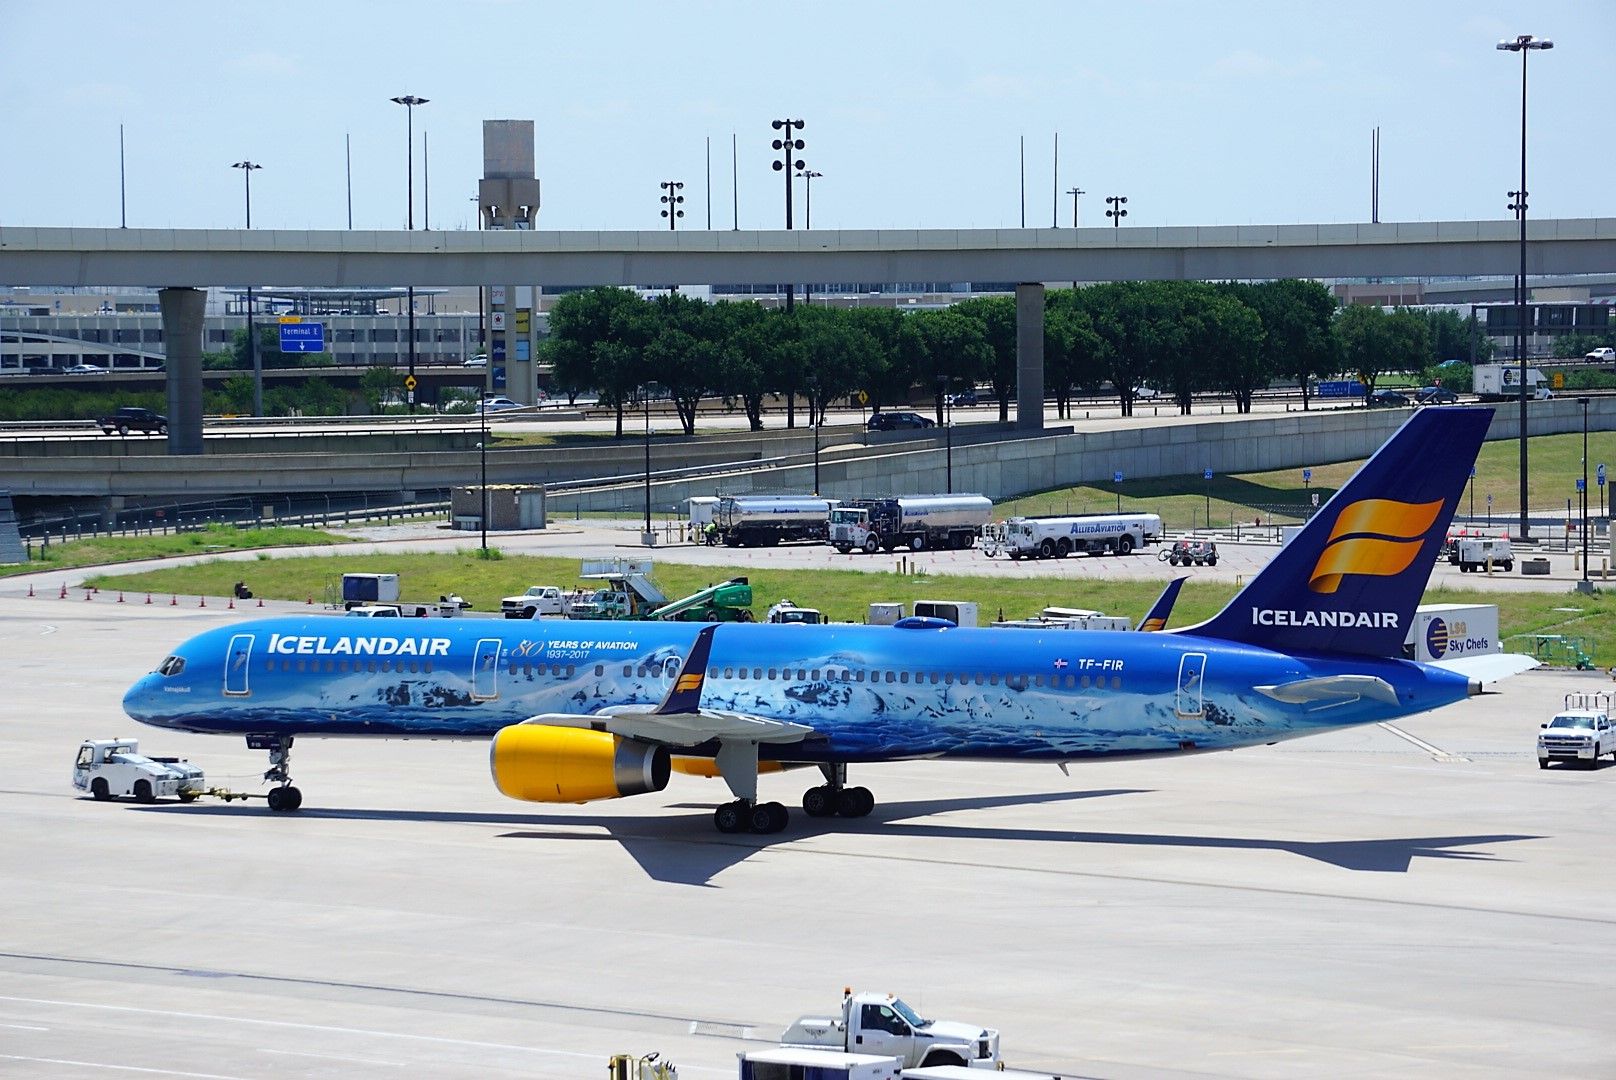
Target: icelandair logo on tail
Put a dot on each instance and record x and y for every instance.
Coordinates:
(1376, 537)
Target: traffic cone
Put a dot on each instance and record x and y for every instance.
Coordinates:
(120, 596)
(87, 594)
(231, 606)
(201, 601)
(30, 588)
(63, 594)
(148, 598)
(260, 601)
(173, 600)
(310, 600)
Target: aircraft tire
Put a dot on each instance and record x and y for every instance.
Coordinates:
(866, 801)
(769, 817)
(816, 801)
(730, 817)
(855, 802)
(143, 792)
(99, 789)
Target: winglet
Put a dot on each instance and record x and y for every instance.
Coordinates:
(1350, 580)
(1156, 618)
(685, 697)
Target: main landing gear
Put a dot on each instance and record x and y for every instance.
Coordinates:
(743, 816)
(286, 798)
(834, 796)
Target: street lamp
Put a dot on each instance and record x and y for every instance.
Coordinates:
(482, 451)
(948, 434)
(1116, 212)
(787, 147)
(671, 200)
(819, 418)
(1074, 193)
(247, 168)
(808, 175)
(1582, 489)
(1523, 44)
(410, 101)
(645, 396)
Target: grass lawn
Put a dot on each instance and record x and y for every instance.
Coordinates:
(844, 595)
(120, 549)
(1554, 464)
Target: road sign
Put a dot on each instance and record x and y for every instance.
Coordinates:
(1601, 474)
(1307, 476)
(1582, 485)
(1315, 498)
(409, 382)
(1206, 474)
(1489, 502)
(864, 399)
(1116, 477)
(302, 337)
(1472, 472)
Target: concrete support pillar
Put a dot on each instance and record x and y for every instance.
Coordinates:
(1030, 357)
(182, 338)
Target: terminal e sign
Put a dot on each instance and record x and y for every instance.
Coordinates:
(298, 336)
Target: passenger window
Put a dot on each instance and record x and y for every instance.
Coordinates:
(570, 669)
(903, 677)
(979, 678)
(426, 665)
(1038, 680)
(269, 665)
(1071, 681)
(816, 674)
(993, 680)
(628, 671)
(1085, 682)
(774, 673)
(890, 676)
(948, 678)
(802, 676)
(729, 673)
(370, 666)
(1116, 682)
(414, 667)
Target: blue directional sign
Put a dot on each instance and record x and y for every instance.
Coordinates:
(1601, 474)
(1582, 485)
(1206, 474)
(1307, 476)
(1116, 477)
(302, 337)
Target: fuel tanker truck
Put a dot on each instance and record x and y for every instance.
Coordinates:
(762, 520)
(916, 522)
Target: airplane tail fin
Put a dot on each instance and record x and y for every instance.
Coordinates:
(685, 697)
(1350, 580)
(1156, 618)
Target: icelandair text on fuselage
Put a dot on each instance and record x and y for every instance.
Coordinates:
(1380, 620)
(293, 645)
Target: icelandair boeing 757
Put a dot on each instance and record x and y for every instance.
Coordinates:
(576, 711)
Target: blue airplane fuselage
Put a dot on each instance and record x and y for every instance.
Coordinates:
(868, 693)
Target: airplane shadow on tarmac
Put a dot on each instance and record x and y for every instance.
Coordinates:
(683, 848)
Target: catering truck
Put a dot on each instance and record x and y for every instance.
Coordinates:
(1502, 382)
(916, 522)
(761, 520)
(1445, 631)
(883, 1024)
(1092, 534)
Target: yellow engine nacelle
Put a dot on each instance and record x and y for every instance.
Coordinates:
(542, 763)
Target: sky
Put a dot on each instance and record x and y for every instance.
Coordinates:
(1201, 113)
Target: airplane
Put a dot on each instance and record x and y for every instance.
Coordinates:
(575, 711)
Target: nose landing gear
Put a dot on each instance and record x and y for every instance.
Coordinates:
(286, 798)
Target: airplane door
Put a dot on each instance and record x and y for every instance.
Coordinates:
(485, 670)
(1191, 675)
(236, 662)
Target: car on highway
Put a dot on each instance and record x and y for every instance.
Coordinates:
(898, 421)
(84, 369)
(1389, 397)
(480, 360)
(1435, 395)
(499, 403)
(1605, 354)
(963, 399)
(133, 418)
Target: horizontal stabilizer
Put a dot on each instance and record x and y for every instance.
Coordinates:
(1488, 667)
(1331, 690)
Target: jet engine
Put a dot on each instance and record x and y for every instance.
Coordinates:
(544, 763)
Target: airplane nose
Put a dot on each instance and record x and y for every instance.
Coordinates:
(140, 699)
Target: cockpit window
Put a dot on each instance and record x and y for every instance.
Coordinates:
(171, 666)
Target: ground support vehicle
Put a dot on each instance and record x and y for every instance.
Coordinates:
(374, 611)
(871, 1023)
(787, 612)
(1092, 534)
(1580, 732)
(916, 522)
(362, 589)
(1473, 554)
(792, 1063)
(1191, 553)
(133, 418)
(762, 520)
(728, 601)
(112, 768)
(536, 601)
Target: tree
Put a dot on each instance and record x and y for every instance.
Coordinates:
(997, 317)
(1297, 316)
(1373, 342)
(598, 337)
(1073, 352)
(1229, 342)
(380, 385)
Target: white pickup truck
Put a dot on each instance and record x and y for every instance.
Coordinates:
(538, 600)
(1580, 732)
(111, 768)
(883, 1024)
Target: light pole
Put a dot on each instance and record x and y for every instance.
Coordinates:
(410, 101)
(645, 396)
(807, 176)
(482, 452)
(247, 168)
(1522, 44)
(787, 147)
(1116, 212)
(671, 200)
(1074, 193)
(948, 434)
(1582, 489)
(819, 418)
